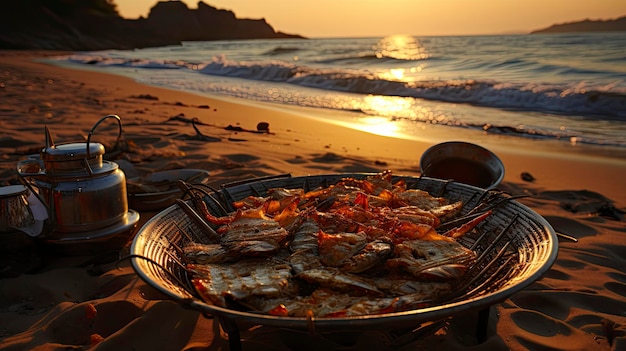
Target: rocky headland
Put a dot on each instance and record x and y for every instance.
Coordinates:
(96, 25)
(613, 25)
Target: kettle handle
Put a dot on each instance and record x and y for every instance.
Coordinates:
(119, 136)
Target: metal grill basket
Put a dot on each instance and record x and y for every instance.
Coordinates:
(516, 246)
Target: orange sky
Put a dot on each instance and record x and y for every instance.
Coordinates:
(348, 18)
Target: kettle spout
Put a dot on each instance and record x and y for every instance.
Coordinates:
(49, 141)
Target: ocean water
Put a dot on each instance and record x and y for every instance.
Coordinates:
(569, 88)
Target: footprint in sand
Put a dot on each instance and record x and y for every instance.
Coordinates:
(616, 287)
(555, 273)
(538, 324)
(560, 304)
(620, 277)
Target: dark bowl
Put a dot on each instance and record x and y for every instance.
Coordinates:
(463, 162)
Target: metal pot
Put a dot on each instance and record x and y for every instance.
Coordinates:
(80, 190)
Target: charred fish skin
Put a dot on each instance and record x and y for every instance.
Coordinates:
(400, 285)
(304, 248)
(304, 260)
(420, 198)
(254, 236)
(335, 249)
(320, 303)
(324, 303)
(217, 282)
(369, 256)
(382, 305)
(305, 237)
(432, 259)
(340, 281)
(208, 253)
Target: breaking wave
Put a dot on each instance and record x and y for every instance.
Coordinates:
(571, 99)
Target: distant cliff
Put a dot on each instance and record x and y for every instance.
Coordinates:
(36, 24)
(614, 25)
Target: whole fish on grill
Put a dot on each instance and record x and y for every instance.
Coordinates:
(432, 259)
(208, 253)
(218, 282)
(253, 236)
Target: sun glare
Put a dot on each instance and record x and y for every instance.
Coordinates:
(375, 125)
(385, 105)
(400, 47)
(380, 109)
(397, 73)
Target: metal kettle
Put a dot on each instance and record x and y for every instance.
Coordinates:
(81, 191)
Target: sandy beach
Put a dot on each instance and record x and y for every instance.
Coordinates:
(51, 301)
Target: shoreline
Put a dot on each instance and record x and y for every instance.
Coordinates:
(93, 301)
(432, 133)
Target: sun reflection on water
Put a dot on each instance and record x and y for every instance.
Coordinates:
(385, 105)
(404, 48)
(397, 73)
(400, 47)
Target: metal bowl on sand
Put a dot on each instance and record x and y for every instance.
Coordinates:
(463, 162)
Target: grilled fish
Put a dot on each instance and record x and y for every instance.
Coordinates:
(218, 282)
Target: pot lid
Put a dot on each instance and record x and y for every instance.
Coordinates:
(12, 190)
(72, 151)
